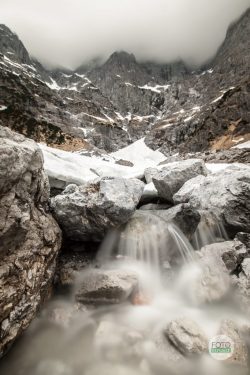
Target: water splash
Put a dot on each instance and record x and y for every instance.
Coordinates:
(149, 239)
(127, 339)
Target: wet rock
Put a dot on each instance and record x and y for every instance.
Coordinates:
(211, 281)
(105, 286)
(186, 336)
(29, 237)
(240, 353)
(155, 206)
(226, 195)
(184, 216)
(173, 176)
(242, 285)
(69, 265)
(87, 212)
(244, 238)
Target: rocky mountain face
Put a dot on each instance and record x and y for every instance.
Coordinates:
(111, 105)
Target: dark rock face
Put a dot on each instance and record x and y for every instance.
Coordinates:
(194, 119)
(11, 46)
(29, 236)
(116, 103)
(216, 126)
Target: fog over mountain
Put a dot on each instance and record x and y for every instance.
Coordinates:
(68, 33)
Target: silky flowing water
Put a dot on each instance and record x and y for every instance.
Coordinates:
(128, 339)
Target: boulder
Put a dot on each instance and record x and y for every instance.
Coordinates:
(87, 212)
(212, 280)
(184, 216)
(174, 175)
(240, 353)
(184, 194)
(225, 194)
(29, 237)
(186, 336)
(97, 286)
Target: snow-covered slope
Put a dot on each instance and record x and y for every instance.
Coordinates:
(64, 167)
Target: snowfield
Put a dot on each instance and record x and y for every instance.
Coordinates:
(64, 168)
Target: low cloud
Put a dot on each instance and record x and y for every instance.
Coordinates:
(70, 32)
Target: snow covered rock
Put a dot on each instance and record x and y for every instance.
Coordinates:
(106, 286)
(173, 176)
(29, 237)
(64, 168)
(87, 212)
(226, 194)
(187, 336)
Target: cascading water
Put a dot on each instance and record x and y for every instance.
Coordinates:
(210, 230)
(129, 339)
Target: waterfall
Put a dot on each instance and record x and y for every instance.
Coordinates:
(148, 239)
(210, 230)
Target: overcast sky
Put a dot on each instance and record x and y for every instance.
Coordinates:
(69, 32)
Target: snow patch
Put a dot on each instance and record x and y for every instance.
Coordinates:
(243, 145)
(140, 154)
(64, 167)
(3, 107)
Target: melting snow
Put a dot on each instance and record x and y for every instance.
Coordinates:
(3, 107)
(243, 145)
(65, 167)
(152, 88)
(140, 154)
(80, 75)
(129, 84)
(53, 85)
(217, 99)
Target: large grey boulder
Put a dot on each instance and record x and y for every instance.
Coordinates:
(184, 194)
(186, 335)
(87, 212)
(29, 236)
(97, 286)
(174, 175)
(225, 194)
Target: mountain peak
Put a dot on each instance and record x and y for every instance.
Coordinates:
(12, 47)
(122, 57)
